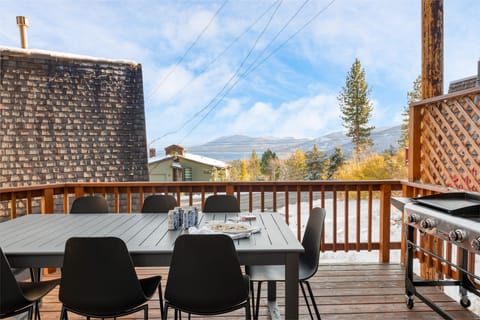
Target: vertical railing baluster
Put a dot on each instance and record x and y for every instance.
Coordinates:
(274, 198)
(29, 202)
(385, 194)
(13, 206)
(299, 213)
(359, 217)
(250, 199)
(287, 211)
(346, 219)
(129, 200)
(370, 217)
(262, 198)
(334, 223)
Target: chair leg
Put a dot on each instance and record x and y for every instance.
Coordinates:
(312, 297)
(257, 306)
(165, 314)
(252, 292)
(160, 299)
(30, 312)
(145, 312)
(248, 314)
(63, 314)
(306, 299)
(36, 311)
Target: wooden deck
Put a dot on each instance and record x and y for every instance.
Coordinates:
(342, 291)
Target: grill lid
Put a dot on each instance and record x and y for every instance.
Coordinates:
(463, 204)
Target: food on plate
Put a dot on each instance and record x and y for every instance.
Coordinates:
(230, 227)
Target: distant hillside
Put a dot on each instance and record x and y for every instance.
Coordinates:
(239, 147)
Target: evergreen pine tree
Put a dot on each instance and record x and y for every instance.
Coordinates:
(335, 161)
(316, 162)
(268, 164)
(356, 109)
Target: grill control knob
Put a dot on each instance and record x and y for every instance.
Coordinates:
(476, 244)
(413, 218)
(428, 223)
(457, 235)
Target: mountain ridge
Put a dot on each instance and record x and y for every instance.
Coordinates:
(238, 147)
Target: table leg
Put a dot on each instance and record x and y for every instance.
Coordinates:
(291, 286)
(272, 301)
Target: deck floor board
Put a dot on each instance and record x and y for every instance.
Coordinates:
(342, 291)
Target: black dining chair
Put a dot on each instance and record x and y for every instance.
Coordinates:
(205, 277)
(308, 263)
(221, 203)
(159, 203)
(89, 204)
(18, 297)
(99, 280)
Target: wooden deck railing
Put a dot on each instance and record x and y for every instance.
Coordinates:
(354, 206)
(360, 209)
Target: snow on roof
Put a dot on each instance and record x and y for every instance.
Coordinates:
(55, 54)
(205, 160)
(158, 158)
(192, 157)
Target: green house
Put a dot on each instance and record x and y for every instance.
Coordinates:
(179, 165)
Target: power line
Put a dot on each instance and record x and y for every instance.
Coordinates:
(161, 81)
(277, 35)
(291, 37)
(252, 67)
(218, 94)
(221, 53)
(267, 57)
(232, 77)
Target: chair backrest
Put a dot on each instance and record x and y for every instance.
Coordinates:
(221, 203)
(160, 203)
(98, 276)
(89, 204)
(312, 238)
(14, 300)
(205, 275)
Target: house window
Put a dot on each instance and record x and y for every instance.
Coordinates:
(187, 174)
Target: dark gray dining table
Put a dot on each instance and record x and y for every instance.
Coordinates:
(38, 241)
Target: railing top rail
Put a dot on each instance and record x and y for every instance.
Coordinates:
(396, 184)
(446, 97)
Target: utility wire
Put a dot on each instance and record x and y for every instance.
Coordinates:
(162, 80)
(235, 75)
(226, 85)
(249, 70)
(276, 36)
(291, 37)
(267, 57)
(220, 54)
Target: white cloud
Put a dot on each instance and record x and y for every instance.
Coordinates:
(292, 93)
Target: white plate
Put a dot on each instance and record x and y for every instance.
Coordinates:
(229, 227)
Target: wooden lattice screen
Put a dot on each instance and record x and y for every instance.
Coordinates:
(446, 150)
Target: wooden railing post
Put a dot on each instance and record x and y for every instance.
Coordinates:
(385, 194)
(414, 143)
(47, 201)
(229, 189)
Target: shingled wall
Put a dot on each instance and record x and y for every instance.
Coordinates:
(70, 118)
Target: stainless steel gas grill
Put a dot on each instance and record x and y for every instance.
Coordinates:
(455, 218)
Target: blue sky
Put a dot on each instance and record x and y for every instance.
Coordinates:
(254, 67)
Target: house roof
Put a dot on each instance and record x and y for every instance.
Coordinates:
(62, 55)
(192, 157)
